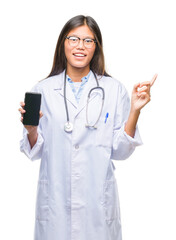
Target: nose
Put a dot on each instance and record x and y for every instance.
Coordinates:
(80, 44)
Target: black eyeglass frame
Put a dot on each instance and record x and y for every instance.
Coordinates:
(68, 37)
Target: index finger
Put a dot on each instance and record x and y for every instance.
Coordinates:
(153, 79)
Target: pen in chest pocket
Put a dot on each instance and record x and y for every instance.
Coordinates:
(106, 117)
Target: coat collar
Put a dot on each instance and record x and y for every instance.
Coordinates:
(70, 95)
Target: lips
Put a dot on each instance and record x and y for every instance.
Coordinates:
(79, 55)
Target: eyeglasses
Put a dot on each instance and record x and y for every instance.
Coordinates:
(74, 41)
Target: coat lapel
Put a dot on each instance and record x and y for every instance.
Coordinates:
(84, 95)
(69, 93)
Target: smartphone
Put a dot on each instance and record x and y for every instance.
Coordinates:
(32, 106)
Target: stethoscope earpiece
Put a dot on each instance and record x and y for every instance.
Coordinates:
(91, 127)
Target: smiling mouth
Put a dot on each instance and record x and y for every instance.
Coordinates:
(79, 55)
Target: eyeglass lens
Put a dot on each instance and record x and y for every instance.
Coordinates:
(74, 41)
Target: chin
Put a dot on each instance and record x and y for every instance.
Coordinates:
(80, 66)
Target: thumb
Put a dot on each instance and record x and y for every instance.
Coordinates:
(41, 114)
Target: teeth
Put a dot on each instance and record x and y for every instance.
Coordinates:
(79, 55)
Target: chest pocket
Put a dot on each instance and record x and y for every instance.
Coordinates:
(104, 132)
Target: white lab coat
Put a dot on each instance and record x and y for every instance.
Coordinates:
(77, 196)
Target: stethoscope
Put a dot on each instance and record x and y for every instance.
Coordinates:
(68, 127)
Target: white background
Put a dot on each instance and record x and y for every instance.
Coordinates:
(139, 41)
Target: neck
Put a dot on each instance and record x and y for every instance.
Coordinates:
(76, 74)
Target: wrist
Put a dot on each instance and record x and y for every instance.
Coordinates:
(32, 136)
(135, 112)
(130, 126)
(32, 131)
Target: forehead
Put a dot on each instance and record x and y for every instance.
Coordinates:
(82, 32)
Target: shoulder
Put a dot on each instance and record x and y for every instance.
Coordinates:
(113, 84)
(52, 82)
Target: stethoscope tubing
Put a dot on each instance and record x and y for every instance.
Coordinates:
(68, 126)
(65, 100)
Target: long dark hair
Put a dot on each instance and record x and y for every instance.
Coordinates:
(97, 64)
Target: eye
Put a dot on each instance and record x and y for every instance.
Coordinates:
(73, 39)
(88, 40)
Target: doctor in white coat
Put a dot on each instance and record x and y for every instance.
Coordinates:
(77, 196)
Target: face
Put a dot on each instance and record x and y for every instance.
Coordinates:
(79, 56)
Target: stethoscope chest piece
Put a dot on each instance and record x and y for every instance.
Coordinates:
(68, 127)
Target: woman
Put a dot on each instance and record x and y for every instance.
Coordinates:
(77, 197)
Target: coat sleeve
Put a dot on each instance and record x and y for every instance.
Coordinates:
(35, 152)
(123, 144)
